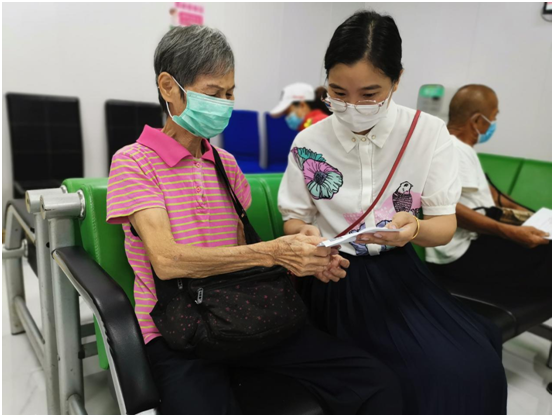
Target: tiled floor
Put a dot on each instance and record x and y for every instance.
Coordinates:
(23, 389)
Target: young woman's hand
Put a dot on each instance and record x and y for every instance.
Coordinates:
(310, 230)
(401, 220)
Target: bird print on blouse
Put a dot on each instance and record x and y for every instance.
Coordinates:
(403, 199)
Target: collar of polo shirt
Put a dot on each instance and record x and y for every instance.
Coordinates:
(378, 135)
(167, 148)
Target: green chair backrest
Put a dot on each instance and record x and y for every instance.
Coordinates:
(533, 187)
(102, 241)
(271, 184)
(502, 170)
(259, 211)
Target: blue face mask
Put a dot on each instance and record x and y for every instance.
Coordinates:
(204, 116)
(293, 121)
(484, 137)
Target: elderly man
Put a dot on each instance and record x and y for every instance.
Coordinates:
(179, 221)
(483, 250)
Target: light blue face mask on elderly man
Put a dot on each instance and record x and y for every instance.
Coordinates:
(484, 137)
(204, 116)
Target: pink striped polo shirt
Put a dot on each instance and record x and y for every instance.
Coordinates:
(156, 171)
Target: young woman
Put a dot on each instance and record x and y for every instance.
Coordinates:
(302, 105)
(376, 293)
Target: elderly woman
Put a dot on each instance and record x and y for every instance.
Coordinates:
(165, 187)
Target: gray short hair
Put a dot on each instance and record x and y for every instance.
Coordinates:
(192, 51)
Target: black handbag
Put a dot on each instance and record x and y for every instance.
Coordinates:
(228, 315)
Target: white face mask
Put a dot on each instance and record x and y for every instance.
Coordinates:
(364, 117)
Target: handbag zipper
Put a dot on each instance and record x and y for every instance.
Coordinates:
(200, 291)
(199, 296)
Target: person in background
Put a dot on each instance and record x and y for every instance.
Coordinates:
(376, 293)
(483, 250)
(302, 105)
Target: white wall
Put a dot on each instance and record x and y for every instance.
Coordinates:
(100, 51)
(507, 46)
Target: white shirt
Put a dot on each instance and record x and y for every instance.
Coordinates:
(333, 175)
(475, 193)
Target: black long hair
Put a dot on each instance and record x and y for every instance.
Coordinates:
(367, 35)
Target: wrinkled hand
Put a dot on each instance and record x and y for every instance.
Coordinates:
(335, 270)
(527, 236)
(401, 220)
(300, 255)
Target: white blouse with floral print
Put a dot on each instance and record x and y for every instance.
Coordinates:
(333, 175)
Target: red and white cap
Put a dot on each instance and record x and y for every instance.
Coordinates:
(292, 93)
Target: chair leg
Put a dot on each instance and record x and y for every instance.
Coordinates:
(44, 271)
(12, 254)
(68, 325)
(549, 361)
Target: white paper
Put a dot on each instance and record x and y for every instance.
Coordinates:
(352, 237)
(542, 220)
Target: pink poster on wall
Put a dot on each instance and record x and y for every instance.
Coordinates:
(186, 14)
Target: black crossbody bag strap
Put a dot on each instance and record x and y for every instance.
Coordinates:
(249, 233)
(501, 194)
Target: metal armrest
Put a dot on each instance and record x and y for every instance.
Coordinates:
(133, 380)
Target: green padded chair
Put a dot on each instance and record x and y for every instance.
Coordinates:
(102, 258)
(105, 279)
(104, 242)
(502, 170)
(108, 252)
(533, 186)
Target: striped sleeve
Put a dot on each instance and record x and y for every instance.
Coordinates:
(130, 189)
(242, 188)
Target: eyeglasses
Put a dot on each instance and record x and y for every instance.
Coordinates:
(365, 107)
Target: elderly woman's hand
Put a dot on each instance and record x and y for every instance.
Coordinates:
(335, 271)
(401, 220)
(300, 254)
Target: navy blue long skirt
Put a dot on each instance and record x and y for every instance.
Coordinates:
(447, 357)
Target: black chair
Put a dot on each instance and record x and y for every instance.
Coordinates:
(514, 310)
(125, 121)
(46, 140)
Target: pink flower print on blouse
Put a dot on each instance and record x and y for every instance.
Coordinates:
(322, 180)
